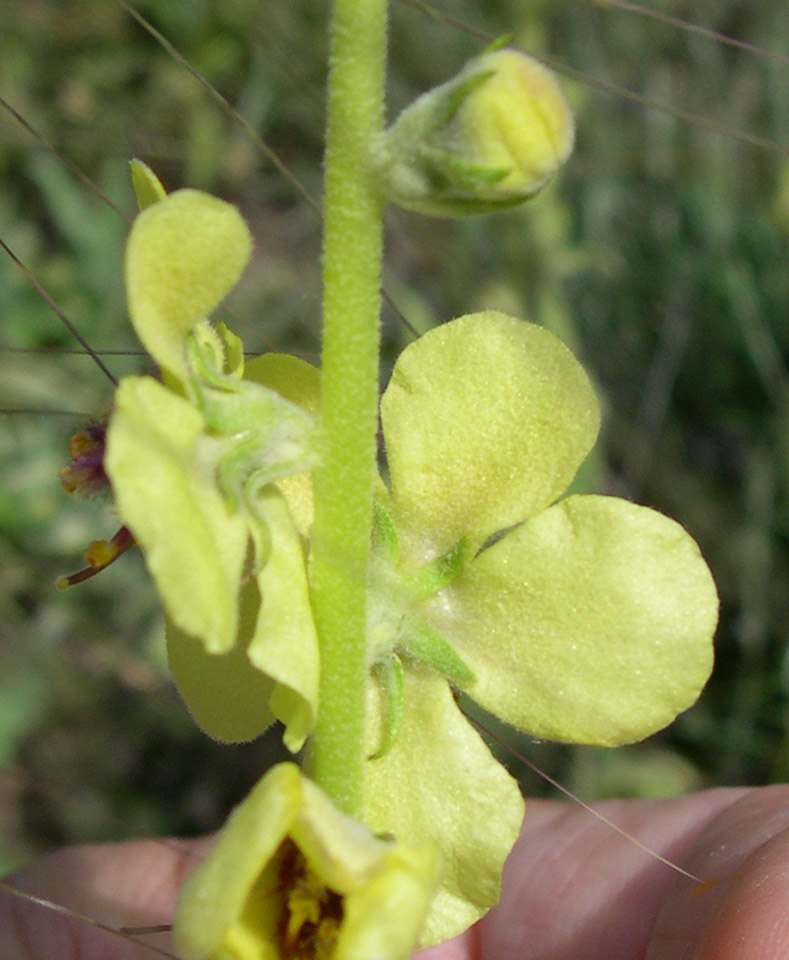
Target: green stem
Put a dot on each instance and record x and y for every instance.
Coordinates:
(352, 253)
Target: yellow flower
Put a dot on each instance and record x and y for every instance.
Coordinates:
(194, 462)
(292, 878)
(586, 620)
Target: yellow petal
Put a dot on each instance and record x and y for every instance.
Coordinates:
(293, 378)
(285, 644)
(271, 672)
(297, 381)
(591, 623)
(486, 421)
(226, 695)
(212, 902)
(384, 917)
(439, 781)
(193, 546)
(184, 254)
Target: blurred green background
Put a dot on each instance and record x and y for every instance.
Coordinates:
(660, 255)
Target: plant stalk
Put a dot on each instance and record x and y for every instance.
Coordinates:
(343, 481)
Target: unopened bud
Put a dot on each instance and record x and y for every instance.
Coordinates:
(488, 139)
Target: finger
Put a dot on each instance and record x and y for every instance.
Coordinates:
(130, 884)
(745, 912)
(575, 888)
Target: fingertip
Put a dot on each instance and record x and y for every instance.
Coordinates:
(744, 910)
(753, 918)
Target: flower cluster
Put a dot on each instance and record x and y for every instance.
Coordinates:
(586, 619)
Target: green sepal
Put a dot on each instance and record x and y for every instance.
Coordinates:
(205, 354)
(216, 357)
(384, 531)
(425, 645)
(431, 577)
(453, 173)
(500, 42)
(390, 674)
(449, 106)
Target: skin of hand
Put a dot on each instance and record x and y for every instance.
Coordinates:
(573, 888)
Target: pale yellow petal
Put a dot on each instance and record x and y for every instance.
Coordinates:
(285, 644)
(293, 378)
(486, 420)
(213, 902)
(193, 546)
(384, 918)
(226, 695)
(183, 256)
(591, 623)
(242, 901)
(299, 382)
(440, 782)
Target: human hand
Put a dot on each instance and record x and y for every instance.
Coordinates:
(573, 888)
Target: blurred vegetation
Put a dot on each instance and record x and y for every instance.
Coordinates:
(659, 255)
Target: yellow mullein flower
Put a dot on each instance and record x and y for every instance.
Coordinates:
(292, 878)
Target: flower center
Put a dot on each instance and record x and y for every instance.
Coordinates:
(313, 913)
(398, 627)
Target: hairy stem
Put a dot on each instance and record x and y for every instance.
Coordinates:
(352, 253)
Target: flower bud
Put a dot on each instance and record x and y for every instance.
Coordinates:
(488, 139)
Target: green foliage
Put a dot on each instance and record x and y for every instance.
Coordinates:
(660, 257)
